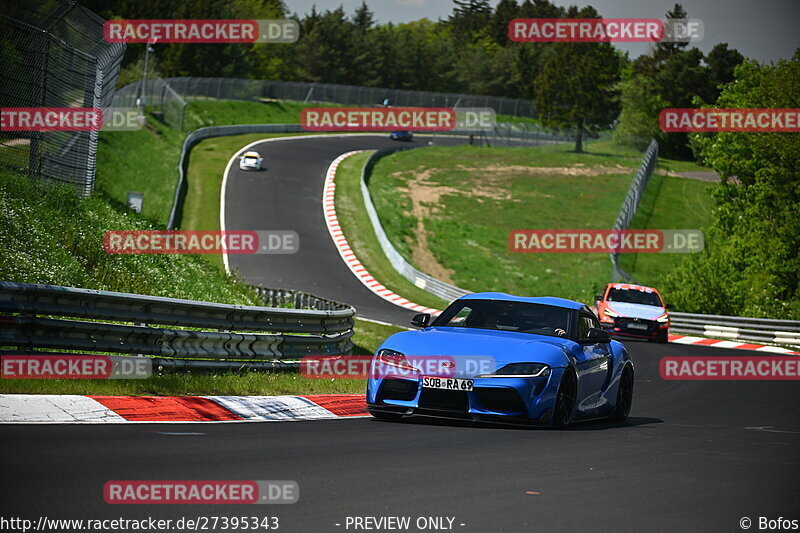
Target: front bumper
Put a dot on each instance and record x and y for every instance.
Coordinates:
(639, 328)
(514, 400)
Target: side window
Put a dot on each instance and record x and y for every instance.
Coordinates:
(460, 317)
(584, 324)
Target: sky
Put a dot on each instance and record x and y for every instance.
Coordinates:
(765, 30)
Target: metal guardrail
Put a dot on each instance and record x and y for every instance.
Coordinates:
(631, 202)
(237, 336)
(428, 283)
(767, 330)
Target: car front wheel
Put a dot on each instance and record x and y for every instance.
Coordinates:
(567, 395)
(624, 396)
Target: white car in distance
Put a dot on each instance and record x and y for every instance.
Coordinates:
(250, 161)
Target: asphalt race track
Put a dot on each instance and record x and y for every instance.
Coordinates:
(694, 455)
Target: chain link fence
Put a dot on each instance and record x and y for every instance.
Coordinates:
(169, 95)
(161, 98)
(54, 55)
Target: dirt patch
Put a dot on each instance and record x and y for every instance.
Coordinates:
(522, 170)
(709, 176)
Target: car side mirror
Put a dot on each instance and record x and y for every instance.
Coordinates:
(596, 335)
(668, 306)
(598, 297)
(421, 320)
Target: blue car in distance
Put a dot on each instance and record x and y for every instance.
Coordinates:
(405, 136)
(502, 358)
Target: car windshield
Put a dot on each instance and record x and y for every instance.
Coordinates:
(250, 159)
(633, 296)
(502, 315)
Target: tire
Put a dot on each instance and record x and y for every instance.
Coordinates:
(566, 398)
(624, 396)
(381, 415)
(663, 338)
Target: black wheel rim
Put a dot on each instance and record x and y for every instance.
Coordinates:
(566, 398)
(626, 392)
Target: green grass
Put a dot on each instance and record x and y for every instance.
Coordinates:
(226, 112)
(668, 203)
(368, 336)
(52, 236)
(188, 384)
(469, 226)
(358, 229)
(144, 161)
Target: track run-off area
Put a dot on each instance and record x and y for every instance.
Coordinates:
(693, 456)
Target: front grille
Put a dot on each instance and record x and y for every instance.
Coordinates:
(500, 399)
(448, 400)
(398, 389)
(626, 324)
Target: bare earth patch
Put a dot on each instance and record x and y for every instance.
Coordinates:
(426, 196)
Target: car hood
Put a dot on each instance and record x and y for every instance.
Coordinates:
(503, 346)
(648, 312)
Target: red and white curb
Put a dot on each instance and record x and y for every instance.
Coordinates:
(717, 343)
(346, 253)
(73, 409)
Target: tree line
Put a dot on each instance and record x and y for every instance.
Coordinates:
(582, 87)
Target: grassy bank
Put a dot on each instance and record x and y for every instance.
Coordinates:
(449, 211)
(52, 236)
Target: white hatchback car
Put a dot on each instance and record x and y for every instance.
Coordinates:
(250, 161)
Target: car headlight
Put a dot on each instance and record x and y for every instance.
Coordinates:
(394, 358)
(520, 370)
(663, 318)
(609, 312)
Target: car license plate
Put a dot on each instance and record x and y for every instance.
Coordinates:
(429, 382)
(634, 325)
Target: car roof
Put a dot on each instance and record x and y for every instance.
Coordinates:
(543, 300)
(251, 154)
(632, 287)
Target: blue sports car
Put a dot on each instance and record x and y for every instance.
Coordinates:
(498, 357)
(405, 136)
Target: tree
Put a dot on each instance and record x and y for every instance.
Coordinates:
(577, 87)
(469, 18)
(641, 105)
(505, 12)
(751, 265)
(721, 64)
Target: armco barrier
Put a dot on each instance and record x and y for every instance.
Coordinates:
(631, 202)
(767, 330)
(240, 332)
(434, 286)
